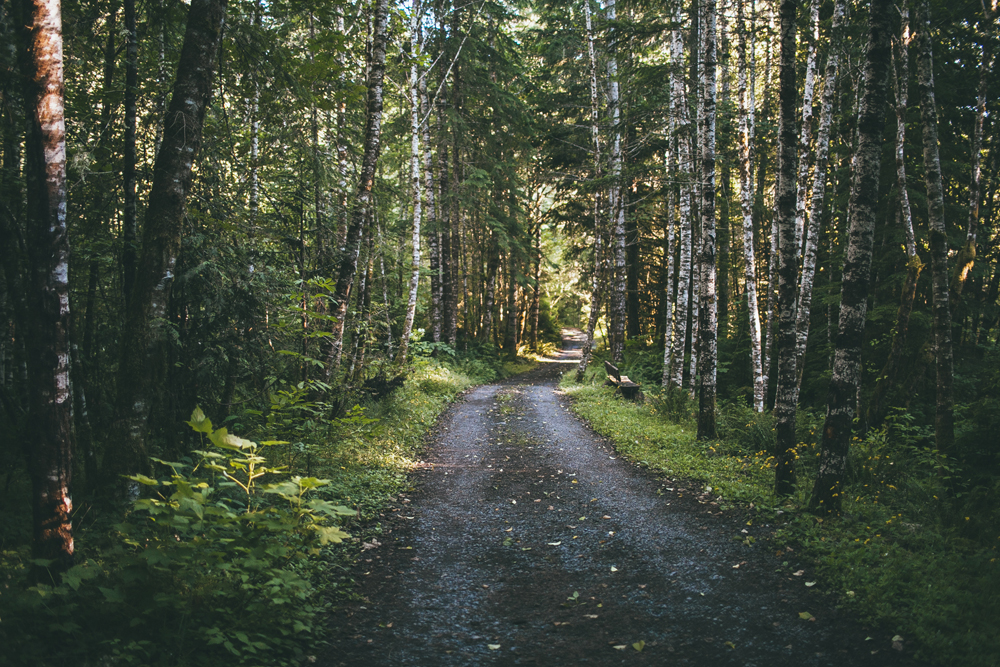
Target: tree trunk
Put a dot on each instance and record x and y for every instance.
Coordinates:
(746, 122)
(787, 270)
(805, 132)
(967, 253)
(50, 449)
(818, 192)
(680, 113)
(161, 235)
(129, 231)
(619, 277)
(708, 330)
(944, 425)
(862, 209)
(363, 197)
(415, 171)
(596, 288)
(888, 378)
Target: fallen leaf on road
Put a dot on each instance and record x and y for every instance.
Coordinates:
(493, 647)
(639, 645)
(799, 573)
(614, 569)
(590, 615)
(555, 544)
(620, 647)
(806, 616)
(810, 584)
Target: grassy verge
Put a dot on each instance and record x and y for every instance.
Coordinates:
(899, 556)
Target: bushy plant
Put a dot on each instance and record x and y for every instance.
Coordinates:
(214, 566)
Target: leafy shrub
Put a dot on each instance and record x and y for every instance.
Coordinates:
(215, 567)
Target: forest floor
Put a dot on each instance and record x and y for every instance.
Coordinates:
(528, 541)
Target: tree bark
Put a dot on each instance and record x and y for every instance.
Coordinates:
(787, 270)
(684, 158)
(888, 378)
(618, 279)
(818, 192)
(129, 230)
(50, 405)
(944, 424)
(363, 196)
(415, 173)
(862, 209)
(708, 330)
(805, 132)
(596, 286)
(746, 129)
(161, 234)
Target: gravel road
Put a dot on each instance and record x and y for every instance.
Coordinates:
(528, 541)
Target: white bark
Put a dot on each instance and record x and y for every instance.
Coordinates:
(411, 304)
(746, 129)
(818, 194)
(617, 301)
(805, 133)
(682, 119)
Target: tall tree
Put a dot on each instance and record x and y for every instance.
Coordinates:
(862, 209)
(788, 249)
(746, 129)
(944, 420)
(50, 406)
(708, 330)
(363, 195)
(616, 199)
(416, 185)
(161, 234)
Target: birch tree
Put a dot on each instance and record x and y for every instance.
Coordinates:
(805, 132)
(619, 276)
(50, 406)
(944, 426)
(681, 115)
(596, 289)
(862, 210)
(887, 379)
(746, 130)
(363, 195)
(788, 248)
(708, 334)
(818, 191)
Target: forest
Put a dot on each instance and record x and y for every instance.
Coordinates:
(252, 248)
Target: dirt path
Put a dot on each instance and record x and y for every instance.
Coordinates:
(529, 542)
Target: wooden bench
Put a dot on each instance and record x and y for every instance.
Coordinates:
(621, 383)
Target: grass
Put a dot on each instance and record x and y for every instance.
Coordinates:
(899, 556)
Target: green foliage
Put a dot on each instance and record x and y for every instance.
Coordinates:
(214, 566)
(909, 552)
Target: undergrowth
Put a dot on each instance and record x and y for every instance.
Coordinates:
(236, 553)
(909, 553)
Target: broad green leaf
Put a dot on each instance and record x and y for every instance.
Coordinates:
(329, 534)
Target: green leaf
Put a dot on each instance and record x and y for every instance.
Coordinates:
(142, 479)
(199, 422)
(329, 534)
(112, 594)
(639, 645)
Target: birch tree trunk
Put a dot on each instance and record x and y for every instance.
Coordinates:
(161, 235)
(415, 173)
(50, 405)
(129, 230)
(887, 379)
(619, 276)
(682, 116)
(805, 132)
(818, 192)
(596, 288)
(944, 426)
(967, 253)
(746, 129)
(862, 209)
(709, 327)
(787, 270)
(363, 197)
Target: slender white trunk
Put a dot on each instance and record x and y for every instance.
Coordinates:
(411, 304)
(708, 339)
(818, 194)
(617, 300)
(746, 128)
(684, 167)
(597, 287)
(805, 133)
